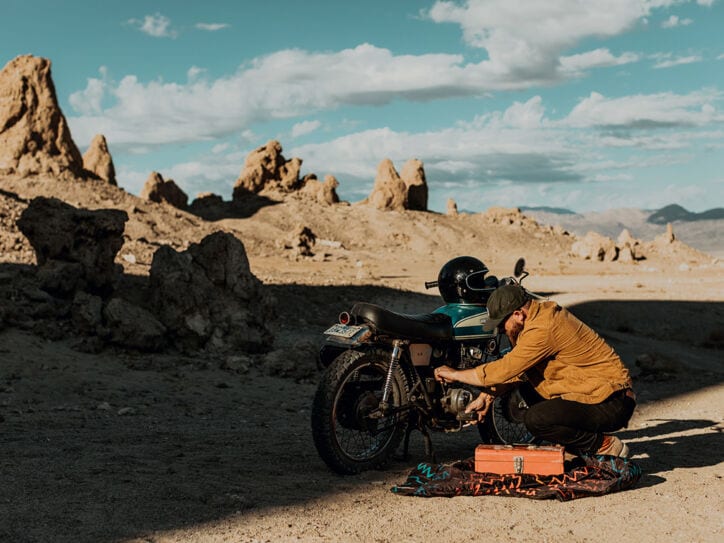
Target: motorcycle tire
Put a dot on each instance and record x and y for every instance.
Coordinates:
(504, 422)
(350, 433)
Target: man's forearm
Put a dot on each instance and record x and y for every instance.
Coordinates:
(469, 377)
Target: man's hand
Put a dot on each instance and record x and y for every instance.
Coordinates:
(445, 374)
(481, 405)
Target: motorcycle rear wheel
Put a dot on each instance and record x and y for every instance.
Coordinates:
(350, 433)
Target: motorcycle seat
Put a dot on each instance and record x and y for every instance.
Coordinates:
(425, 327)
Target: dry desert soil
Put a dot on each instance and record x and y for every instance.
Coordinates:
(117, 446)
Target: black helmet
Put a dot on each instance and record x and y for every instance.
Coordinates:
(462, 280)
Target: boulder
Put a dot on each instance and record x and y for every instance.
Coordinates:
(75, 248)
(266, 169)
(389, 192)
(156, 189)
(34, 134)
(207, 297)
(97, 160)
(132, 326)
(86, 312)
(413, 175)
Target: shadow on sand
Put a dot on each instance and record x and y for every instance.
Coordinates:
(236, 209)
(202, 443)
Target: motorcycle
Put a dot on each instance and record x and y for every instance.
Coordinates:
(379, 385)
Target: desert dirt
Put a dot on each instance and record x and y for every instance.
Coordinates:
(118, 446)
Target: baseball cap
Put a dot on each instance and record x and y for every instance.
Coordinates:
(503, 301)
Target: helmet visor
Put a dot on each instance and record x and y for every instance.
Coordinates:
(476, 280)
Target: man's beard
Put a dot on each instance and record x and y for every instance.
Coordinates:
(514, 333)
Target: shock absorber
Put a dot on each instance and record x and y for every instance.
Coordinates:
(394, 361)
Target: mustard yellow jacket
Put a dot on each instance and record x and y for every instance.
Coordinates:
(561, 357)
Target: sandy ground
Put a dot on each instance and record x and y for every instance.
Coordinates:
(119, 447)
(114, 447)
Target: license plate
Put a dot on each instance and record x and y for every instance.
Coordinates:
(343, 330)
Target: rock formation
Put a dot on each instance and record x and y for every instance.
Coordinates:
(156, 189)
(389, 192)
(393, 191)
(511, 216)
(301, 242)
(75, 248)
(413, 175)
(324, 193)
(207, 297)
(594, 246)
(266, 169)
(629, 248)
(34, 135)
(208, 205)
(97, 160)
(328, 194)
(452, 207)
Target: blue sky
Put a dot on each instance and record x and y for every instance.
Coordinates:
(582, 104)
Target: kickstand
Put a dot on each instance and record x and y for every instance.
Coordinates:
(414, 423)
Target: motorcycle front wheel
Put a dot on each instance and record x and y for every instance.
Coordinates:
(351, 433)
(504, 422)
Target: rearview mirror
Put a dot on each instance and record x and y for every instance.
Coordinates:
(519, 267)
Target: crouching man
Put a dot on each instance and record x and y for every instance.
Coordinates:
(585, 390)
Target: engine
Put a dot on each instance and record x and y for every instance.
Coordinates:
(455, 400)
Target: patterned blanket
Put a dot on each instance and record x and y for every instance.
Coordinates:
(586, 476)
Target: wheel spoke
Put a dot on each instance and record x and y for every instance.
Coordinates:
(509, 431)
(359, 435)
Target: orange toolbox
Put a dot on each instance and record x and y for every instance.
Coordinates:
(514, 459)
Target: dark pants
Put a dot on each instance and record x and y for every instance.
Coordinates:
(578, 426)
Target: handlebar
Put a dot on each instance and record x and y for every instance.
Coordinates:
(430, 284)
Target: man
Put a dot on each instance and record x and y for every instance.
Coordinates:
(584, 387)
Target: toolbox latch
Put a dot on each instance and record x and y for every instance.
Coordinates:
(518, 464)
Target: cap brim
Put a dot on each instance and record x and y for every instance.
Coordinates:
(491, 324)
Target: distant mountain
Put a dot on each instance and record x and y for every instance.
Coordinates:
(545, 209)
(674, 212)
(703, 231)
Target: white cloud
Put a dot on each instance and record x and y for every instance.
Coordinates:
(525, 115)
(597, 58)
(158, 26)
(605, 178)
(305, 127)
(290, 83)
(88, 101)
(524, 49)
(647, 110)
(211, 27)
(529, 39)
(194, 72)
(676, 61)
(674, 21)
(515, 156)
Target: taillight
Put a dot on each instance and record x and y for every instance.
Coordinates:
(345, 318)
